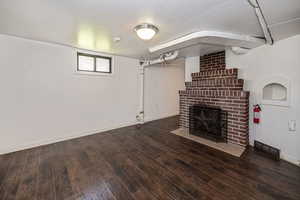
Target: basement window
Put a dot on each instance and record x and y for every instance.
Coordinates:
(94, 63)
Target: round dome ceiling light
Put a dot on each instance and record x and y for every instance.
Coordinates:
(146, 31)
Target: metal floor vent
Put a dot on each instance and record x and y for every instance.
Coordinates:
(267, 150)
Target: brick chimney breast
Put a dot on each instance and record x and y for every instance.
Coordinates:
(217, 86)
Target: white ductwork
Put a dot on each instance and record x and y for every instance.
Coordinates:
(214, 38)
(144, 64)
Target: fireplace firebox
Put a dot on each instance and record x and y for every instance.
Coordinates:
(208, 122)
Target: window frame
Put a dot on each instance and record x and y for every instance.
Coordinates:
(95, 63)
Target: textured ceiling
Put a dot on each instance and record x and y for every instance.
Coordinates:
(92, 24)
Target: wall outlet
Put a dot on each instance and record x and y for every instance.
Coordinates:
(292, 125)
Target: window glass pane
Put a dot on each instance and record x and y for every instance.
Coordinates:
(85, 63)
(102, 65)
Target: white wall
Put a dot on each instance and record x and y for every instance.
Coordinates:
(162, 84)
(44, 101)
(281, 59)
(192, 65)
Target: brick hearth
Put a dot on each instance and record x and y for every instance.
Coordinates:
(216, 86)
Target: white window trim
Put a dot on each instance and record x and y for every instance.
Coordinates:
(86, 73)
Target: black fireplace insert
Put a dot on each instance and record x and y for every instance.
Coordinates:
(208, 122)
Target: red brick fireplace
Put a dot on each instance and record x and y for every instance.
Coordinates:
(219, 87)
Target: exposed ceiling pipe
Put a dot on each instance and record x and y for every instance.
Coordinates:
(262, 20)
(163, 58)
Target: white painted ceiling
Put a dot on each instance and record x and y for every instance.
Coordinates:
(92, 24)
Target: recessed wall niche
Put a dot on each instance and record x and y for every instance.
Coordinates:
(275, 91)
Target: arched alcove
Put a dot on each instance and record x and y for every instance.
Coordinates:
(275, 92)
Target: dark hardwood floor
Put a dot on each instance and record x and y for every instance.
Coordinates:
(143, 164)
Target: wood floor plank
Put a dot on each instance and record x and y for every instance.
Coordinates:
(249, 170)
(172, 162)
(171, 185)
(29, 177)
(62, 184)
(5, 161)
(145, 163)
(46, 187)
(178, 163)
(11, 181)
(102, 175)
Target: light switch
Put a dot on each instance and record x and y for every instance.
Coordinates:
(292, 125)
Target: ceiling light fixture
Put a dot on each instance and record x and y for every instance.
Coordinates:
(146, 31)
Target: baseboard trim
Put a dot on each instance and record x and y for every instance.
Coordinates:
(149, 119)
(60, 139)
(290, 159)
